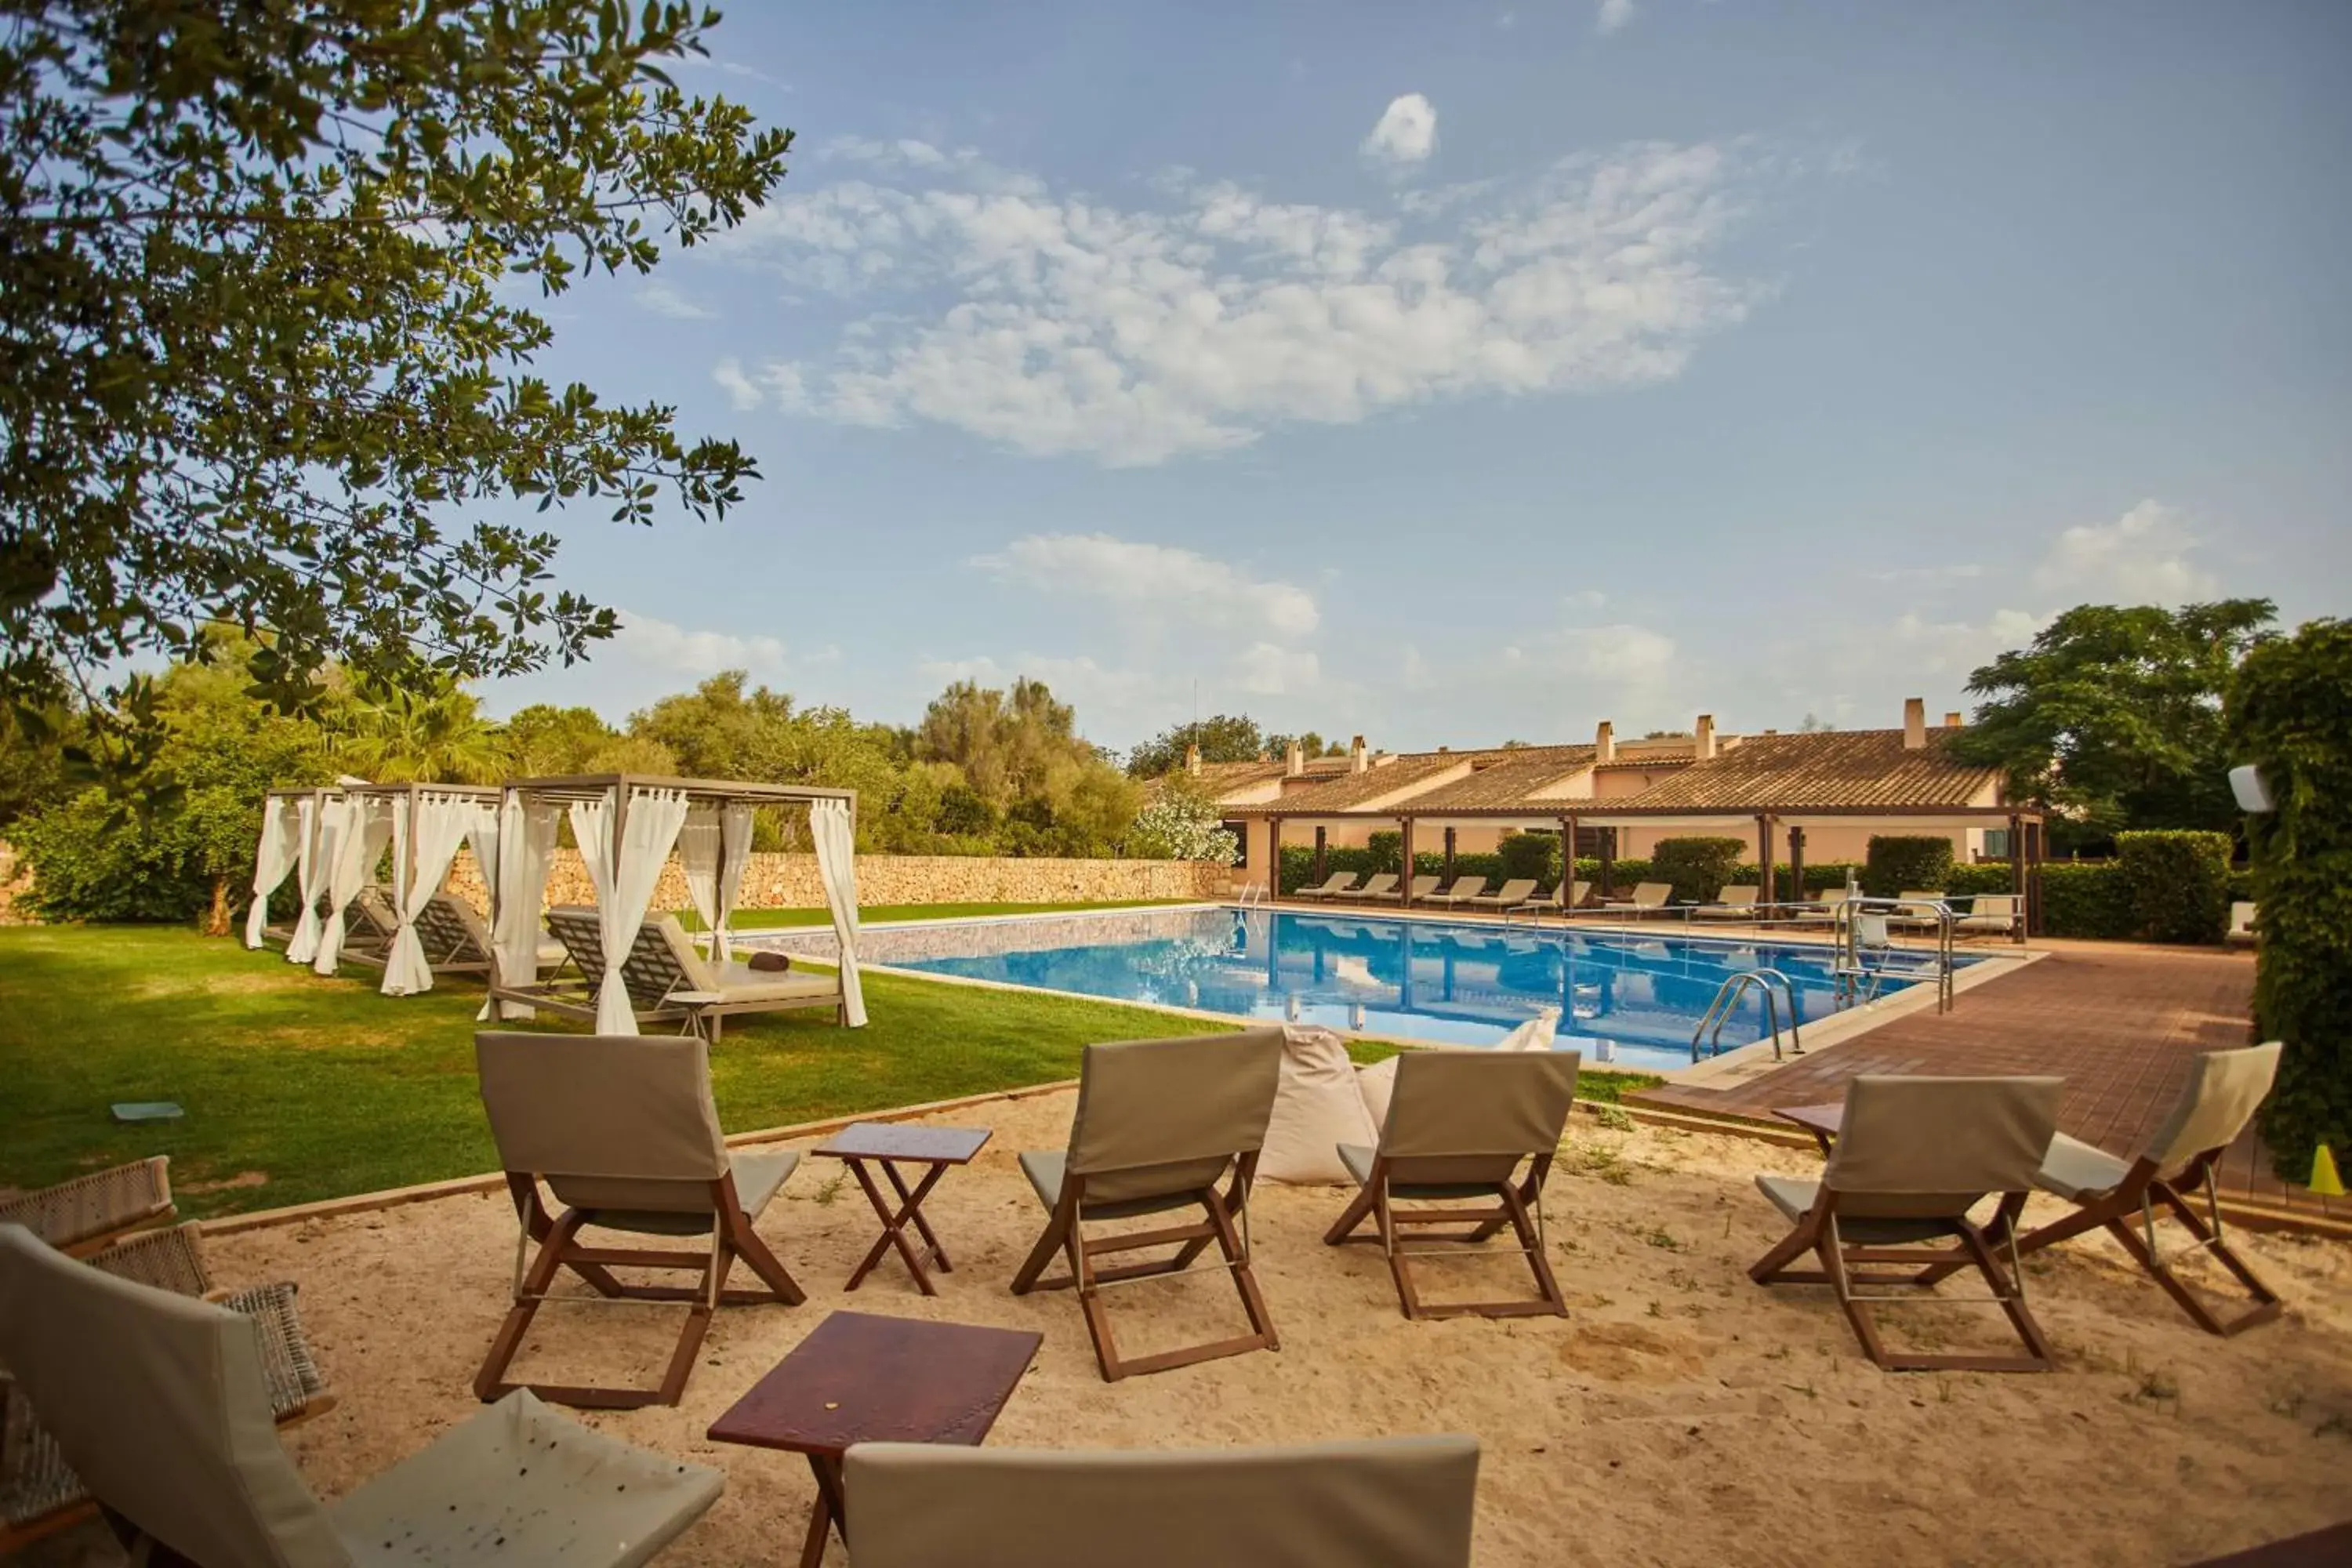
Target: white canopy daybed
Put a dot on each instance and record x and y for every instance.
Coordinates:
(296, 828)
(627, 826)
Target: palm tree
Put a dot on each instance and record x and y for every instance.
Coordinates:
(396, 735)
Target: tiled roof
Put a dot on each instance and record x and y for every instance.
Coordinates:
(1348, 791)
(1237, 775)
(1509, 780)
(1821, 769)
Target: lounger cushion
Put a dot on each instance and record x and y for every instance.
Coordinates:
(1044, 1167)
(2075, 1170)
(1316, 1105)
(519, 1483)
(758, 1179)
(741, 982)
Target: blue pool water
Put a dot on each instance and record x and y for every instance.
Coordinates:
(1633, 998)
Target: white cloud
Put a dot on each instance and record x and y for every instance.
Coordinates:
(1155, 579)
(1071, 326)
(741, 390)
(1612, 16)
(664, 301)
(664, 645)
(1626, 671)
(1265, 669)
(2142, 557)
(1406, 132)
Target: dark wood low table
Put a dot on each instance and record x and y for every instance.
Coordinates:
(858, 1378)
(890, 1144)
(1820, 1120)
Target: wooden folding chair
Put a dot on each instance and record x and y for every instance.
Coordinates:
(1913, 1156)
(1461, 1125)
(1159, 1123)
(623, 1130)
(2225, 1089)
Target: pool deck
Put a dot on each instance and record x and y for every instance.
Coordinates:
(2120, 1021)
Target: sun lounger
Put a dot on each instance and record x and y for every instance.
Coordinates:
(1648, 897)
(2224, 1089)
(1402, 1502)
(1734, 903)
(669, 979)
(1462, 891)
(1820, 908)
(159, 1402)
(1546, 903)
(1422, 887)
(1922, 910)
(1913, 1156)
(1460, 1126)
(1989, 914)
(1158, 1124)
(1378, 887)
(2242, 925)
(80, 1216)
(1335, 885)
(622, 1130)
(40, 1491)
(1512, 895)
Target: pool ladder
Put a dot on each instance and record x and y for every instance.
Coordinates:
(1771, 984)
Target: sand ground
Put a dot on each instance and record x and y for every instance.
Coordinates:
(1679, 1414)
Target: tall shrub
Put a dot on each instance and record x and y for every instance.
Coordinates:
(1533, 855)
(1901, 865)
(1699, 867)
(2179, 883)
(2291, 715)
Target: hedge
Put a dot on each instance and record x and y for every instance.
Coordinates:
(2178, 884)
(2289, 715)
(1897, 865)
(1699, 867)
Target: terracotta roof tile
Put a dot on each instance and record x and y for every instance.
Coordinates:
(1509, 780)
(1825, 768)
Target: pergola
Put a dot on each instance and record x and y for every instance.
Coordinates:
(426, 823)
(293, 830)
(1767, 824)
(626, 825)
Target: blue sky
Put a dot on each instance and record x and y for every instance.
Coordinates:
(1450, 374)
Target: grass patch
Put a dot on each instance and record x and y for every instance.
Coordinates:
(325, 1088)
(874, 914)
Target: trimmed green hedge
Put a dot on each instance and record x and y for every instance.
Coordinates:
(1899, 865)
(2178, 884)
(1699, 867)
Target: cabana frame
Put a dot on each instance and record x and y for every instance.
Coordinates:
(405, 798)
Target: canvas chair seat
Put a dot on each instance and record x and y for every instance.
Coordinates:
(1045, 1168)
(520, 1483)
(1358, 1158)
(2074, 1169)
(1794, 1196)
(758, 1179)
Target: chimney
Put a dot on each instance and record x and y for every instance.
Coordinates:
(1604, 742)
(1703, 744)
(1294, 762)
(1193, 761)
(1951, 720)
(1356, 761)
(1915, 723)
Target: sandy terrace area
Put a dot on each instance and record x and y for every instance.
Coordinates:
(1680, 1415)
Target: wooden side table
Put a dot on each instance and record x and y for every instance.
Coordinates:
(858, 1378)
(891, 1144)
(1821, 1120)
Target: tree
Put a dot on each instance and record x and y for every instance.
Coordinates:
(2112, 716)
(543, 740)
(435, 734)
(1182, 823)
(263, 363)
(1227, 737)
(1309, 744)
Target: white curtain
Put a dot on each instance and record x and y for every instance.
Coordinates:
(424, 844)
(836, 856)
(367, 829)
(321, 820)
(281, 845)
(514, 856)
(625, 883)
(713, 849)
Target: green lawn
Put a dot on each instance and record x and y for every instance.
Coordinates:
(871, 914)
(298, 1088)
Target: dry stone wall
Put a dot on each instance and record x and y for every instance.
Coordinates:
(777, 881)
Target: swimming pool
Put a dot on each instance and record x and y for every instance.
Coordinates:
(1628, 998)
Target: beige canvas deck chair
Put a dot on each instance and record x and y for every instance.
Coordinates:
(2225, 1089)
(1913, 1156)
(1733, 903)
(1379, 886)
(39, 1492)
(1399, 1502)
(622, 1130)
(1158, 1124)
(80, 1216)
(1462, 891)
(1513, 894)
(669, 979)
(1461, 1126)
(159, 1402)
(1335, 885)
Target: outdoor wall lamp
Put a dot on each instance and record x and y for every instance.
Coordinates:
(2253, 792)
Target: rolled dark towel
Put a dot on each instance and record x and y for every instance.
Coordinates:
(763, 959)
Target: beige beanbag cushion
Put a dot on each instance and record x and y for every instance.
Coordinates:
(1317, 1108)
(1378, 1081)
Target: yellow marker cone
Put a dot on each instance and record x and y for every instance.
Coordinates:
(2323, 1179)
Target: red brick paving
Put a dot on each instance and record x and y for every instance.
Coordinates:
(2119, 1023)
